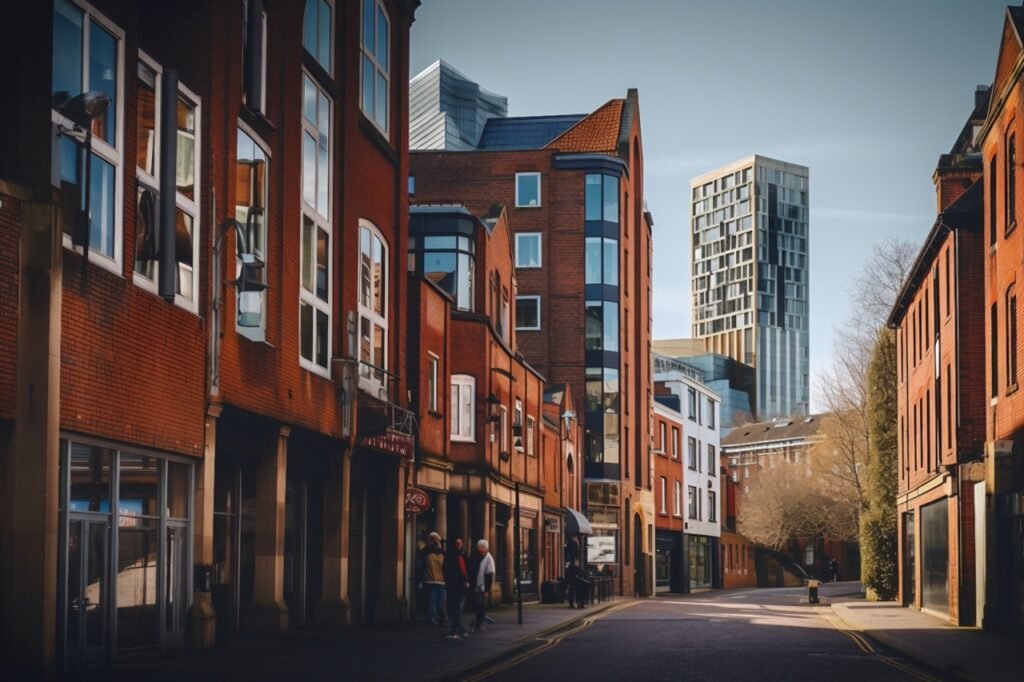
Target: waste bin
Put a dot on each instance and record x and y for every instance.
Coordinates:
(812, 591)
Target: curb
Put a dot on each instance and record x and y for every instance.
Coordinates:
(919, 660)
(526, 642)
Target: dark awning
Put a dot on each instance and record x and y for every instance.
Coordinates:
(576, 523)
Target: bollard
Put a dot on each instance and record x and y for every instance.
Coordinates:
(812, 591)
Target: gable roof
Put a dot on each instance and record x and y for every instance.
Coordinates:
(598, 132)
(782, 429)
(524, 132)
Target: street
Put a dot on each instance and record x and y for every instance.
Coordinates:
(764, 634)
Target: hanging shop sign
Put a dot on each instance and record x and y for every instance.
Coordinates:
(392, 443)
(416, 500)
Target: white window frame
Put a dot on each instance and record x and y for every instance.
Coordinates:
(712, 506)
(378, 7)
(503, 422)
(320, 222)
(539, 202)
(691, 502)
(664, 495)
(372, 384)
(257, 334)
(677, 491)
(517, 420)
(676, 436)
(114, 155)
(528, 329)
(540, 248)
(189, 206)
(463, 386)
(531, 431)
(433, 362)
(661, 438)
(329, 67)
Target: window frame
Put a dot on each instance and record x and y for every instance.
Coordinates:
(378, 8)
(677, 492)
(662, 429)
(691, 502)
(531, 430)
(663, 484)
(433, 365)
(372, 384)
(455, 431)
(536, 174)
(536, 298)
(540, 250)
(503, 425)
(259, 334)
(712, 506)
(1010, 180)
(329, 67)
(676, 437)
(518, 421)
(151, 182)
(692, 453)
(1011, 338)
(712, 458)
(320, 222)
(111, 154)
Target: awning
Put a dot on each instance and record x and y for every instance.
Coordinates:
(576, 523)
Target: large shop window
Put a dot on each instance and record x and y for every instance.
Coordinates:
(251, 185)
(126, 546)
(376, 75)
(148, 148)
(315, 292)
(88, 55)
(373, 310)
(463, 407)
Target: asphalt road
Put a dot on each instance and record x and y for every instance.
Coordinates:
(764, 634)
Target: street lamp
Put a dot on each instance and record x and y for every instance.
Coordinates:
(81, 110)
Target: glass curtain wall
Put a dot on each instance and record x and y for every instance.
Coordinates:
(125, 551)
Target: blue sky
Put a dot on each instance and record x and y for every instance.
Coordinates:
(866, 94)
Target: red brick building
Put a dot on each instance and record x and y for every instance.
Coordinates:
(669, 483)
(572, 188)
(1002, 529)
(154, 418)
(941, 420)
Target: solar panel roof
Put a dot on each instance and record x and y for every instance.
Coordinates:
(525, 132)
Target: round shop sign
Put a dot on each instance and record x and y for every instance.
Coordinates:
(416, 500)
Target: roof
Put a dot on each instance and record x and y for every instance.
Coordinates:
(966, 213)
(789, 428)
(598, 132)
(555, 394)
(525, 132)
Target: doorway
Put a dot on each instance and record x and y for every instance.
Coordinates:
(639, 565)
(87, 615)
(909, 560)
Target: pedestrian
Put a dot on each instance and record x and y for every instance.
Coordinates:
(833, 569)
(431, 568)
(456, 582)
(481, 572)
(575, 583)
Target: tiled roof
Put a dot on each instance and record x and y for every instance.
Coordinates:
(793, 428)
(524, 132)
(598, 132)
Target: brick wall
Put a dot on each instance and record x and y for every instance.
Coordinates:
(10, 233)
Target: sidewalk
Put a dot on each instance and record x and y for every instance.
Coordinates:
(410, 652)
(967, 653)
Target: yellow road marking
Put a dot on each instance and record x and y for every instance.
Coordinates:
(864, 645)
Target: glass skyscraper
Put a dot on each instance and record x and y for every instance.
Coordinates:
(449, 111)
(750, 275)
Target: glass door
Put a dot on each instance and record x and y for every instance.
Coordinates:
(88, 594)
(176, 591)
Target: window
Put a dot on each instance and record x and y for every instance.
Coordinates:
(448, 261)
(503, 422)
(527, 190)
(531, 430)
(601, 198)
(712, 506)
(251, 183)
(675, 442)
(87, 55)
(375, 84)
(517, 425)
(373, 308)
(254, 55)
(994, 350)
(691, 403)
(691, 459)
(992, 202)
(147, 172)
(662, 439)
(664, 495)
(1011, 338)
(432, 361)
(316, 32)
(713, 459)
(528, 250)
(1011, 183)
(711, 413)
(691, 501)
(528, 313)
(677, 498)
(315, 292)
(463, 408)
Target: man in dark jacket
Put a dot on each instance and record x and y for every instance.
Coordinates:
(456, 582)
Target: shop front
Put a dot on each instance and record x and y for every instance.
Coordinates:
(125, 550)
(700, 555)
(668, 561)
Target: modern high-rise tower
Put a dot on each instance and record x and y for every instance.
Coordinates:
(750, 275)
(448, 111)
